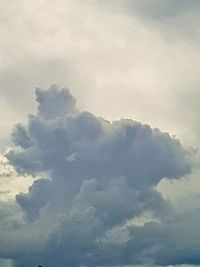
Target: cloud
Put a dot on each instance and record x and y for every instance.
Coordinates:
(11, 182)
(100, 176)
(175, 242)
(159, 9)
(121, 59)
(52, 104)
(150, 63)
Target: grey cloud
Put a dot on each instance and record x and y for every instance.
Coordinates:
(20, 137)
(9, 216)
(175, 20)
(175, 242)
(101, 175)
(181, 240)
(100, 149)
(52, 105)
(158, 9)
(88, 158)
(37, 197)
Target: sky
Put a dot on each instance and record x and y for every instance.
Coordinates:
(99, 140)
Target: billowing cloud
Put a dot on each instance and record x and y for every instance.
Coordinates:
(122, 58)
(100, 176)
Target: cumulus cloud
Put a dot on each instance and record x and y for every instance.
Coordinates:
(52, 105)
(144, 56)
(100, 176)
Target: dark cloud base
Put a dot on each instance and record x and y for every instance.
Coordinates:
(101, 175)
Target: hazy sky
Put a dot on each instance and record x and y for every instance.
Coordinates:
(101, 193)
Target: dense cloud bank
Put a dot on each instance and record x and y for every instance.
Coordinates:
(98, 176)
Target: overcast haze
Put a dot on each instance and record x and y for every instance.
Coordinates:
(105, 170)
